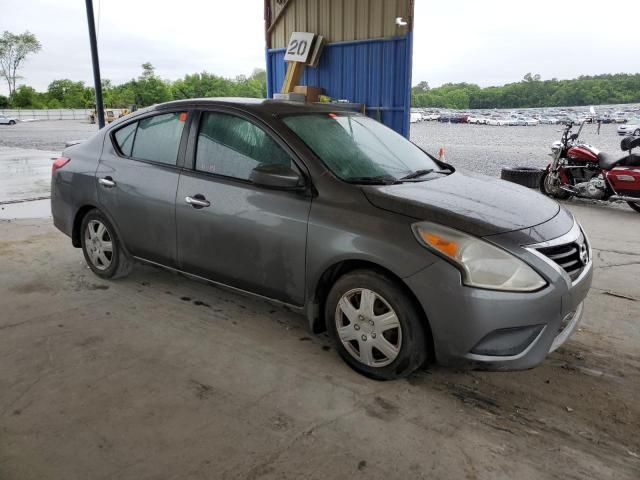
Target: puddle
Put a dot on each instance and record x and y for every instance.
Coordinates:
(34, 209)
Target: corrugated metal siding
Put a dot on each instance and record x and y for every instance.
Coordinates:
(338, 20)
(374, 72)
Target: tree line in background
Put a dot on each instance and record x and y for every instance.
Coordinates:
(146, 90)
(531, 91)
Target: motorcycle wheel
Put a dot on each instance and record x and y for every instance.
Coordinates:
(550, 189)
(635, 206)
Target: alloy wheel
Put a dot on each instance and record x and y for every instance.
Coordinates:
(99, 244)
(368, 327)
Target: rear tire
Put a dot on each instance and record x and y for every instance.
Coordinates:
(526, 176)
(376, 326)
(550, 190)
(12, 122)
(635, 206)
(101, 247)
(637, 133)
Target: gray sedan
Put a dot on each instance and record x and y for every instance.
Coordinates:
(403, 259)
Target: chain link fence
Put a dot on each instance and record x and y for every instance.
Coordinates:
(28, 114)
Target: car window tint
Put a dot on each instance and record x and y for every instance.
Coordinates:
(124, 138)
(231, 146)
(158, 138)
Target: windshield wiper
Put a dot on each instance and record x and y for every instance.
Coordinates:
(377, 180)
(417, 173)
(421, 173)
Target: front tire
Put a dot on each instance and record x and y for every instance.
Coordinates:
(376, 326)
(12, 122)
(101, 247)
(637, 133)
(548, 187)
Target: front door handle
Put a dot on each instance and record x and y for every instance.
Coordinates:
(107, 182)
(197, 201)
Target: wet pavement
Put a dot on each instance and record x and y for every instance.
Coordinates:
(25, 176)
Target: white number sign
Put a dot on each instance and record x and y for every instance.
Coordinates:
(299, 47)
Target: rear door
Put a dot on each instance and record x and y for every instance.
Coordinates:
(246, 236)
(137, 180)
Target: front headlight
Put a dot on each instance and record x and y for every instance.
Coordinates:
(482, 264)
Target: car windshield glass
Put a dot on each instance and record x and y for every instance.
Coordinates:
(355, 147)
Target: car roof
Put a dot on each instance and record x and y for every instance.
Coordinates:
(256, 105)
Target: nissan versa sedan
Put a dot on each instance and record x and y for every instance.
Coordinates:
(402, 258)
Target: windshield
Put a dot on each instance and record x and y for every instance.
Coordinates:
(357, 148)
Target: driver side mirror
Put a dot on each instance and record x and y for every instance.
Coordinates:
(276, 176)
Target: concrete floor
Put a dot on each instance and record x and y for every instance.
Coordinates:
(158, 376)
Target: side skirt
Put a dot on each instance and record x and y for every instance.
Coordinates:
(289, 306)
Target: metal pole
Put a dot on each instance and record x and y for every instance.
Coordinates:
(96, 63)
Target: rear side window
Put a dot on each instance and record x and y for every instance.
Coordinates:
(158, 138)
(231, 146)
(124, 138)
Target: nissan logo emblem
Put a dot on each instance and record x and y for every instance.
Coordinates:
(584, 254)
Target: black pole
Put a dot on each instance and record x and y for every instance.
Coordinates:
(96, 63)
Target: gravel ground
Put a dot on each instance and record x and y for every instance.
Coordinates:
(487, 149)
(479, 148)
(45, 135)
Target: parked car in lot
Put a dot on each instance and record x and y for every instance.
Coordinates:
(632, 127)
(402, 258)
(495, 121)
(4, 120)
(415, 117)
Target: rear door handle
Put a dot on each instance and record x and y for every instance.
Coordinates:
(197, 201)
(107, 182)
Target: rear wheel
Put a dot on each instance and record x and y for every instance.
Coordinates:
(102, 249)
(637, 132)
(635, 206)
(12, 122)
(551, 187)
(375, 325)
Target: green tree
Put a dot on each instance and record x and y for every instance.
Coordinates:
(68, 94)
(14, 49)
(27, 97)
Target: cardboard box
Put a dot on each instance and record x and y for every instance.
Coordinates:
(310, 93)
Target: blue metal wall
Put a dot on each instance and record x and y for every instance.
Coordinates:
(374, 72)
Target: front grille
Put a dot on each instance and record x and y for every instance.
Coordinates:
(572, 257)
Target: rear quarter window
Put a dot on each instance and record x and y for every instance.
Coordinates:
(124, 138)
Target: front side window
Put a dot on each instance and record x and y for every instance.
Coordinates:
(233, 147)
(355, 147)
(158, 138)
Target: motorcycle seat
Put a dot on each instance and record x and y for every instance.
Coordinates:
(608, 161)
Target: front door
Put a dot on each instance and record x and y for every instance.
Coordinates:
(232, 231)
(137, 180)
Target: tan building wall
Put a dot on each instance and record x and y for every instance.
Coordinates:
(336, 20)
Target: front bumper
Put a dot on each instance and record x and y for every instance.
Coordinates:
(518, 329)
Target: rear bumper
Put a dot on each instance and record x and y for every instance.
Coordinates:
(518, 330)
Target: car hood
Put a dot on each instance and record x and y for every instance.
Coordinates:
(473, 203)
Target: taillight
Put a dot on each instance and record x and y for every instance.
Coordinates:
(59, 163)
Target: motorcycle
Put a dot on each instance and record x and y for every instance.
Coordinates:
(581, 170)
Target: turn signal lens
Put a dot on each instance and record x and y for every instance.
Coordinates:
(481, 263)
(443, 245)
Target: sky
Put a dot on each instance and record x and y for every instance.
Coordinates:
(488, 42)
